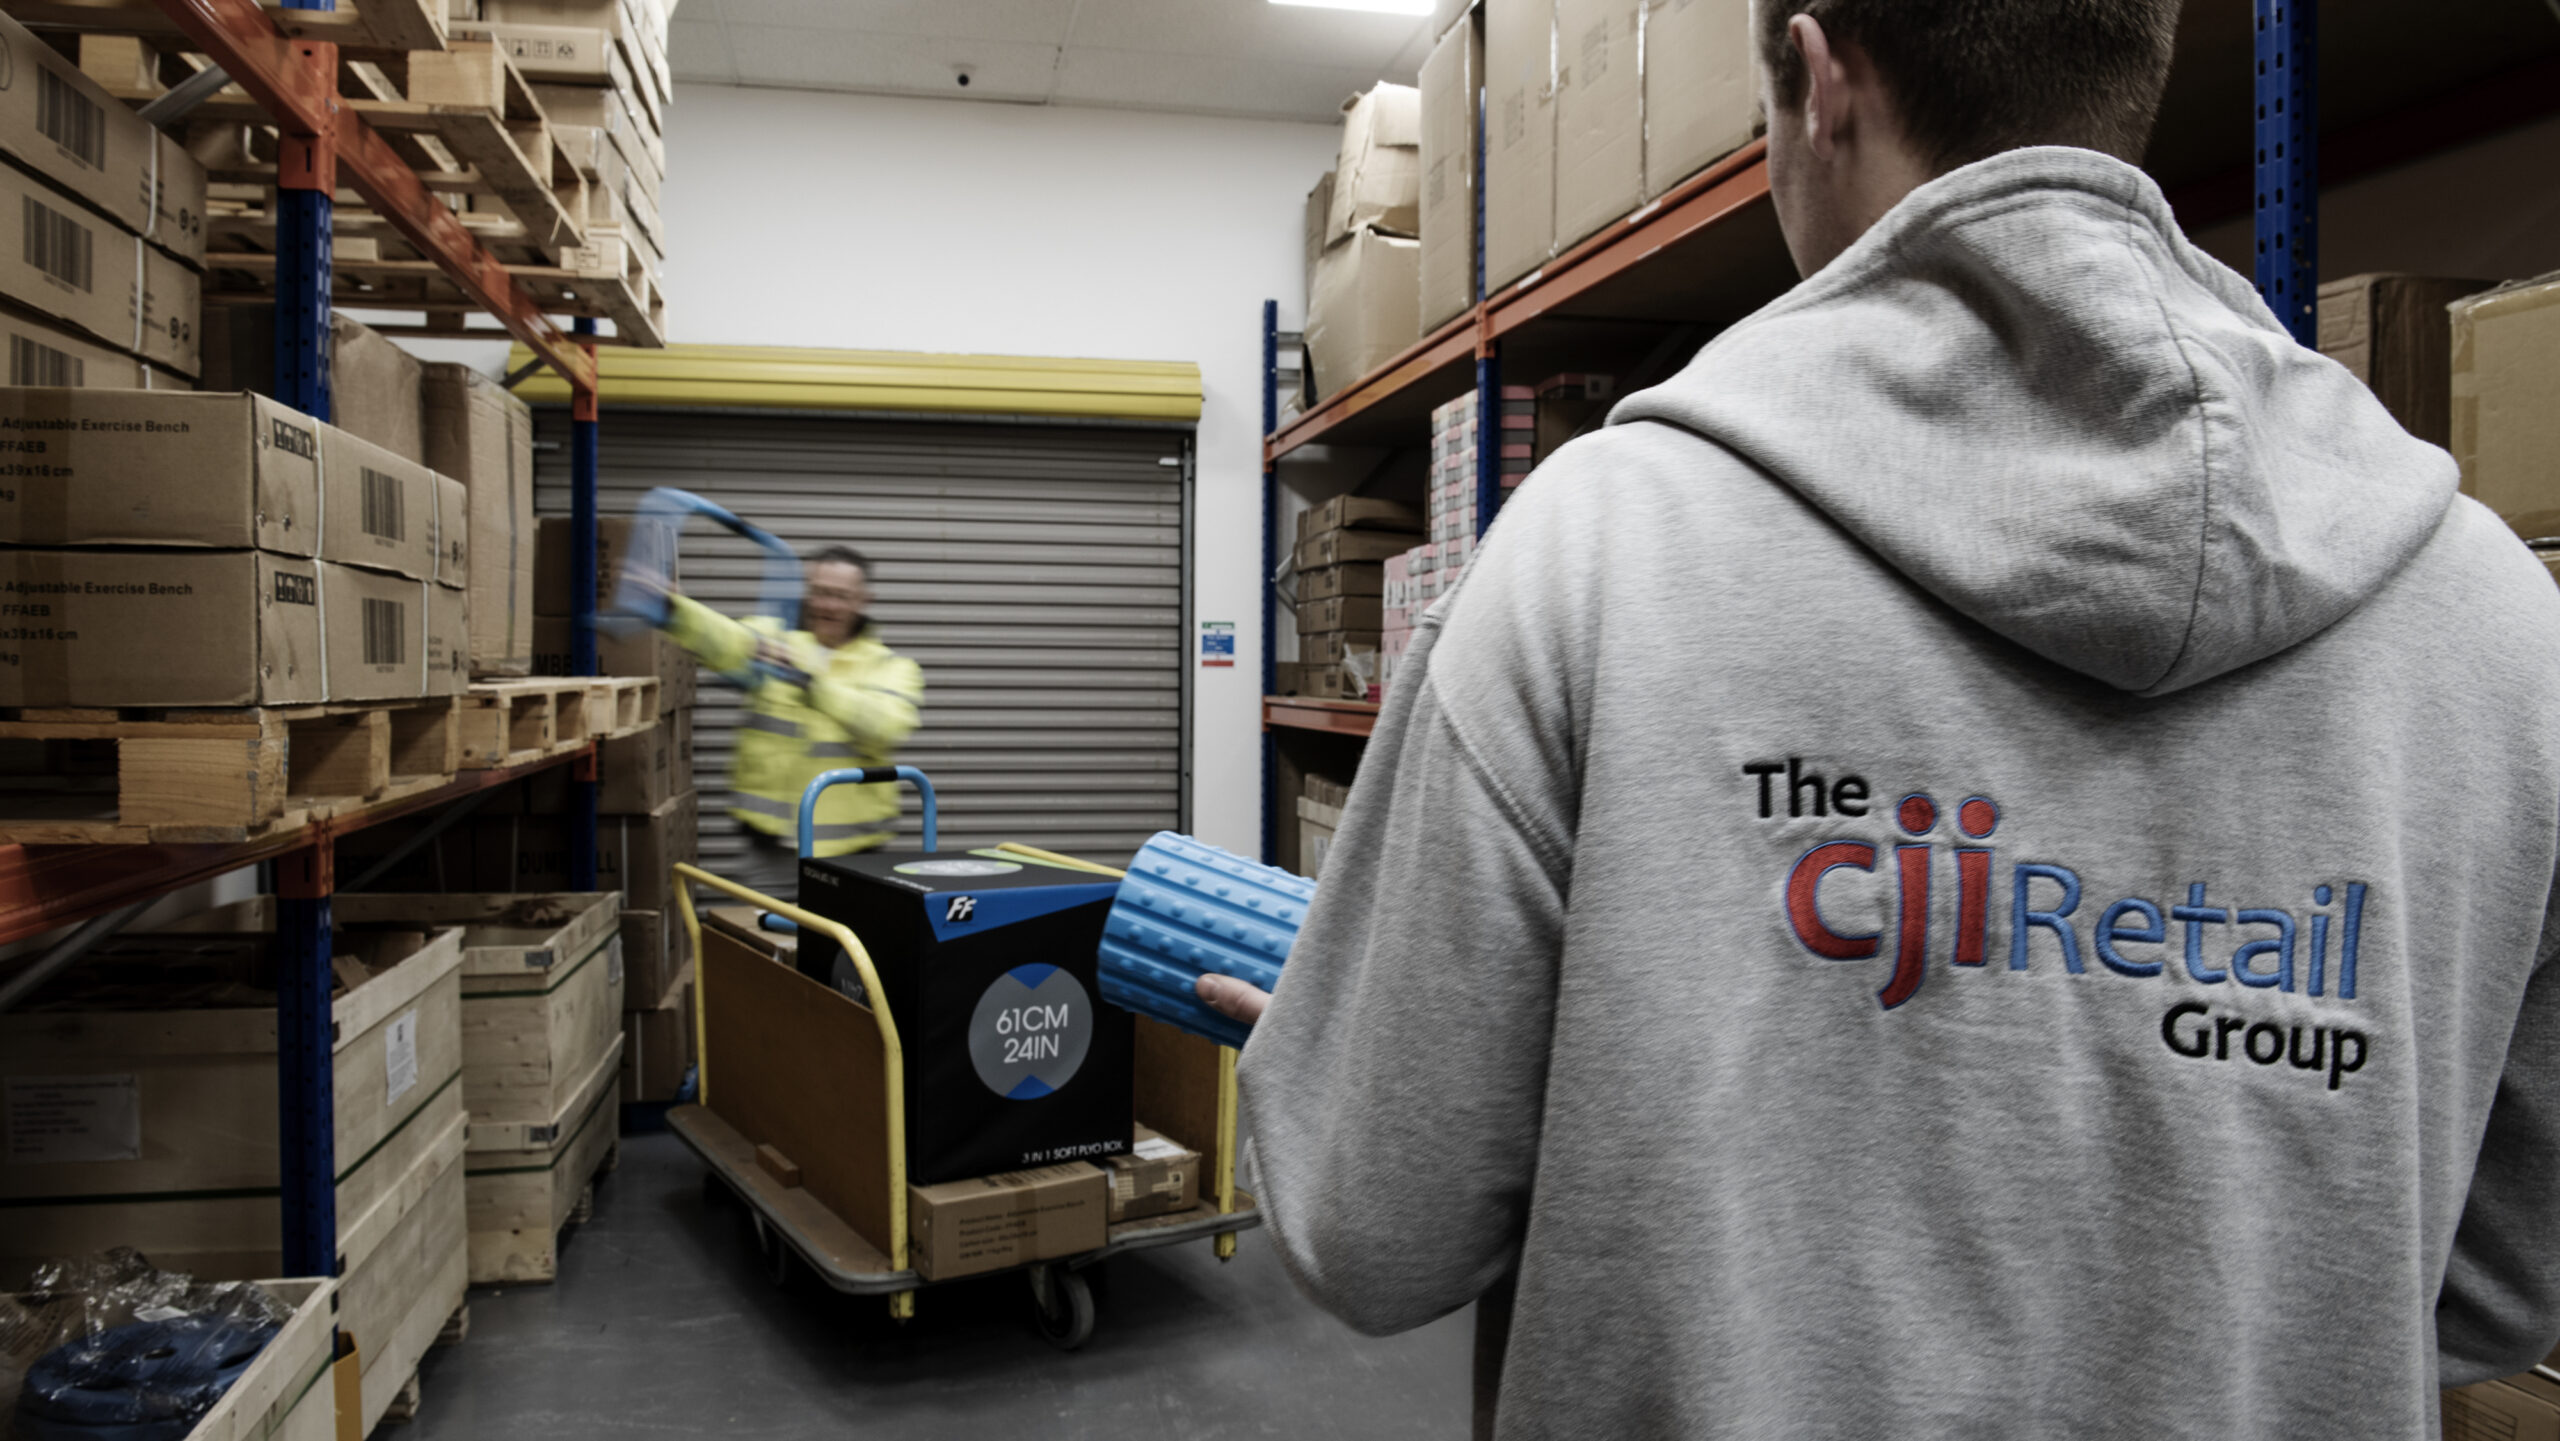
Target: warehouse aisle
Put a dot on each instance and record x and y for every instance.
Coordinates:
(663, 1325)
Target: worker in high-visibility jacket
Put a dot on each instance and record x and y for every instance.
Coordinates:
(854, 703)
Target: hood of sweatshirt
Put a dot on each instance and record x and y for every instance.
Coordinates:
(2027, 392)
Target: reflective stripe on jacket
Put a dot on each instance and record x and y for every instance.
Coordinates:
(861, 703)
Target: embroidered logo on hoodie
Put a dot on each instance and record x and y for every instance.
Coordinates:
(2257, 947)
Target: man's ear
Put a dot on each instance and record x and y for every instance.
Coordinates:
(1824, 104)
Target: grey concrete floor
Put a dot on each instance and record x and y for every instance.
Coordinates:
(662, 1324)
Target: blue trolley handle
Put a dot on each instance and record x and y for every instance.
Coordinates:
(854, 776)
(669, 507)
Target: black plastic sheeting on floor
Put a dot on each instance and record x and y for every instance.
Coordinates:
(663, 1324)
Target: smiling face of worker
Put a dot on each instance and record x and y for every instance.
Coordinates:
(838, 594)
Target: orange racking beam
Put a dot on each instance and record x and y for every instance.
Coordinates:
(302, 98)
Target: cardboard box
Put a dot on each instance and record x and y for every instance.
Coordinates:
(374, 629)
(640, 652)
(97, 627)
(653, 953)
(634, 854)
(1520, 139)
(551, 561)
(65, 127)
(959, 1228)
(1345, 547)
(1337, 647)
(657, 1047)
(177, 203)
(1358, 578)
(643, 772)
(474, 431)
(375, 389)
(43, 353)
(2505, 430)
(1343, 612)
(2394, 334)
(1566, 406)
(1452, 76)
(2523, 1407)
(92, 467)
(1319, 220)
(1365, 307)
(379, 510)
(453, 540)
(68, 262)
(1599, 159)
(1377, 174)
(1314, 839)
(1358, 512)
(1701, 102)
(1157, 1177)
(172, 307)
(448, 639)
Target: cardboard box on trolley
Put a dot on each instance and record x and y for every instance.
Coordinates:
(990, 966)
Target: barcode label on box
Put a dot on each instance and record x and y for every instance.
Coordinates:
(399, 1057)
(72, 1118)
(71, 120)
(385, 631)
(382, 516)
(60, 246)
(34, 363)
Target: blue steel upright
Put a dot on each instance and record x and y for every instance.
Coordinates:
(1270, 567)
(582, 611)
(306, 184)
(2288, 163)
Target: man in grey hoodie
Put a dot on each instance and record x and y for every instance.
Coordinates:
(1976, 864)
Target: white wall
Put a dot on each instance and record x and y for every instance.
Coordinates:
(871, 223)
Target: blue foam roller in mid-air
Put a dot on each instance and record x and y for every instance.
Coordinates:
(1188, 909)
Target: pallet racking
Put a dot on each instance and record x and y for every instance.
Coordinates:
(1649, 289)
(288, 60)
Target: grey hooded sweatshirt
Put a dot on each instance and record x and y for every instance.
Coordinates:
(1976, 864)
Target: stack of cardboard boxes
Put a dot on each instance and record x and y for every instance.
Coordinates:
(1343, 546)
(1594, 107)
(297, 564)
(102, 288)
(1320, 803)
(1364, 262)
(648, 815)
(599, 68)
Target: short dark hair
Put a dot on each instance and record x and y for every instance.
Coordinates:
(1971, 78)
(842, 555)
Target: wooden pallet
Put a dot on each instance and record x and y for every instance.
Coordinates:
(461, 115)
(139, 776)
(363, 27)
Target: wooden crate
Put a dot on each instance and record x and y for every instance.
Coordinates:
(286, 1394)
(541, 999)
(521, 1198)
(134, 777)
(195, 1188)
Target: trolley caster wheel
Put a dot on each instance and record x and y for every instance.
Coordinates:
(1062, 1306)
(780, 1262)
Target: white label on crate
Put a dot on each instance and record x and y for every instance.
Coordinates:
(73, 1118)
(400, 1056)
(1155, 1148)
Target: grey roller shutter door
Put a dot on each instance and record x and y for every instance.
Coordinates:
(1034, 572)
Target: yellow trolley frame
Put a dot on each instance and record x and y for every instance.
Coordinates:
(789, 1218)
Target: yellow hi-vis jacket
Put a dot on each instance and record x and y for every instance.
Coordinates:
(860, 704)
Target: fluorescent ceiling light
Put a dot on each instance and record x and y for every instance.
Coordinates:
(1380, 7)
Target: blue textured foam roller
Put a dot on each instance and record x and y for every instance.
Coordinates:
(1188, 909)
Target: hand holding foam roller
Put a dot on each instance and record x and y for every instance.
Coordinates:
(1188, 909)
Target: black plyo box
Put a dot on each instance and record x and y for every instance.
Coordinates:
(990, 971)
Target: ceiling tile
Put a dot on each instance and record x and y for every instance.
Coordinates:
(891, 64)
(1206, 84)
(1028, 21)
(1248, 30)
(699, 50)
